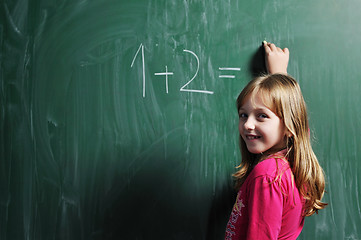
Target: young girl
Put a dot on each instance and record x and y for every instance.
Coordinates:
(280, 180)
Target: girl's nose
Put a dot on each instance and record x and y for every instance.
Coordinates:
(249, 124)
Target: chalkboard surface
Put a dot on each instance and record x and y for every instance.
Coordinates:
(118, 118)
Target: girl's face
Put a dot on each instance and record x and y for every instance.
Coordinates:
(261, 129)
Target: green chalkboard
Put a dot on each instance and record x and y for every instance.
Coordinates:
(118, 118)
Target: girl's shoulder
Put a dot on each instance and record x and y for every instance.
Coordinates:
(272, 166)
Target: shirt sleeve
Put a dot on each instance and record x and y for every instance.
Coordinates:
(265, 206)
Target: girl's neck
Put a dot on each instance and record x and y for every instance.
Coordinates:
(262, 156)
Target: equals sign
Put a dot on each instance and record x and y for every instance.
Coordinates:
(228, 69)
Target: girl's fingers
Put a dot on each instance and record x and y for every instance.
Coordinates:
(273, 47)
(286, 51)
(276, 59)
(270, 47)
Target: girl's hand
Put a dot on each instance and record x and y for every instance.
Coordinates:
(276, 58)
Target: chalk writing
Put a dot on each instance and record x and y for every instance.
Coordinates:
(185, 87)
(228, 69)
(141, 47)
(192, 90)
(166, 73)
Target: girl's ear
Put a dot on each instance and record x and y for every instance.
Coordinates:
(288, 133)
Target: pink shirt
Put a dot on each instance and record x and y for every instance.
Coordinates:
(265, 208)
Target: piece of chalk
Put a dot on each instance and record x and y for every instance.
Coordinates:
(264, 42)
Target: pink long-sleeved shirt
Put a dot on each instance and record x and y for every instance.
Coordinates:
(267, 207)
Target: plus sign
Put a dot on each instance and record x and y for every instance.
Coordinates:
(166, 73)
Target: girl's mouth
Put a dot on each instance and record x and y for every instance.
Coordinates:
(252, 137)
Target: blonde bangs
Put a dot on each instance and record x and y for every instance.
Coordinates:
(271, 94)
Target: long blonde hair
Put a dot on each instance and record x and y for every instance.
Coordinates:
(282, 94)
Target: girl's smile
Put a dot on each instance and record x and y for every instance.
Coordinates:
(261, 129)
(251, 137)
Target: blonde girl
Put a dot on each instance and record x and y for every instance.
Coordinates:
(279, 179)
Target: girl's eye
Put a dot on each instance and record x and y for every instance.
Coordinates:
(262, 115)
(242, 115)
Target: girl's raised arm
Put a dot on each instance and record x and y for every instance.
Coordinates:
(276, 58)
